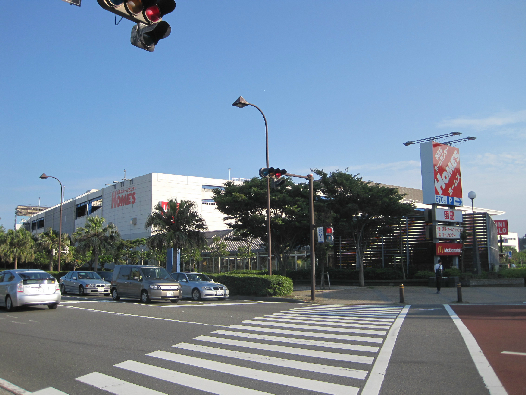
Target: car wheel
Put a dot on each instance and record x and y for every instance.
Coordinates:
(81, 290)
(62, 289)
(52, 306)
(196, 294)
(174, 300)
(9, 303)
(145, 298)
(115, 294)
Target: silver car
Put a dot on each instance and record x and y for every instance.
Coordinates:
(84, 283)
(22, 287)
(199, 286)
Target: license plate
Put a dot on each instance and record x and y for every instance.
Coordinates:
(169, 293)
(219, 293)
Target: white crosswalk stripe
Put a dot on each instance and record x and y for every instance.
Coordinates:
(315, 349)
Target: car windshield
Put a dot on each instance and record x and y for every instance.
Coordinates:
(36, 277)
(155, 273)
(198, 277)
(88, 276)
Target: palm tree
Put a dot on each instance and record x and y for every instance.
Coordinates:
(96, 238)
(180, 226)
(17, 245)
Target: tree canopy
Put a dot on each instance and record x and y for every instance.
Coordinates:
(180, 226)
(361, 210)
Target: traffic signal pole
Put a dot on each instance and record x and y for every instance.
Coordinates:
(310, 177)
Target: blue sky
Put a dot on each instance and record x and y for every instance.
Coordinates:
(343, 85)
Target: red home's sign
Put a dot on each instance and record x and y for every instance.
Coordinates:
(123, 197)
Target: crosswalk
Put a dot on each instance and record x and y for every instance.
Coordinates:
(329, 349)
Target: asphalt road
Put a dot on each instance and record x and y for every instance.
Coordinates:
(94, 345)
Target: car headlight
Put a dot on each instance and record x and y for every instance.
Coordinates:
(208, 288)
(155, 286)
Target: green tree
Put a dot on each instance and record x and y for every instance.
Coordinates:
(179, 227)
(362, 210)
(96, 239)
(218, 249)
(245, 208)
(47, 243)
(18, 246)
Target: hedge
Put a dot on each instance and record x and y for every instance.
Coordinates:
(255, 285)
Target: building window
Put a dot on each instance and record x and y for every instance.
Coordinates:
(82, 210)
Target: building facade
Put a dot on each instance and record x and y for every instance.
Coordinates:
(128, 203)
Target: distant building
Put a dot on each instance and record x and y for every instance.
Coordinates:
(129, 202)
(510, 240)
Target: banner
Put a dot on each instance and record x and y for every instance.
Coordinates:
(440, 168)
(502, 226)
(448, 249)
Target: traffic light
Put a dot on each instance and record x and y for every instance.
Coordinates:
(147, 37)
(276, 173)
(329, 238)
(147, 14)
(139, 11)
(272, 172)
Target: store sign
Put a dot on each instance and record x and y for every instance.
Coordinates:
(440, 168)
(502, 226)
(445, 215)
(448, 232)
(123, 197)
(448, 249)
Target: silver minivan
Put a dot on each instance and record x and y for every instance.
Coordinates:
(144, 282)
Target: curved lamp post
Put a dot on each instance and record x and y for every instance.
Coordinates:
(241, 102)
(472, 195)
(43, 177)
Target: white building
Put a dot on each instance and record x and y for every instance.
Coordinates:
(128, 203)
(510, 240)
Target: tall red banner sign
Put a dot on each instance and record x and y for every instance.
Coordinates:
(441, 179)
(502, 226)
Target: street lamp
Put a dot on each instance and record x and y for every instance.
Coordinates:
(43, 177)
(472, 195)
(241, 102)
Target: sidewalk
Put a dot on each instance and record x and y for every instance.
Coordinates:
(414, 295)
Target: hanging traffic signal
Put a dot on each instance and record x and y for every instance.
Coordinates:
(272, 172)
(276, 173)
(147, 37)
(263, 172)
(139, 11)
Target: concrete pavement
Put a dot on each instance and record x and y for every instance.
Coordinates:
(413, 295)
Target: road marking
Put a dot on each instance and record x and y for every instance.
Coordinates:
(303, 342)
(49, 391)
(115, 386)
(187, 380)
(309, 334)
(255, 374)
(285, 363)
(326, 322)
(290, 350)
(513, 353)
(320, 328)
(484, 368)
(377, 375)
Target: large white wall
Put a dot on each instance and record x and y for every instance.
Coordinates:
(128, 203)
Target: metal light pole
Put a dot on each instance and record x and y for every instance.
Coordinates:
(45, 176)
(241, 102)
(472, 195)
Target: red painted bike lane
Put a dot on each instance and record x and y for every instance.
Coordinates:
(500, 331)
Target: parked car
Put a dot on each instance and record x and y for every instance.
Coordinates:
(84, 283)
(199, 286)
(144, 282)
(23, 287)
(105, 275)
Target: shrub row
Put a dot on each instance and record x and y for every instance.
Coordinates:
(255, 285)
